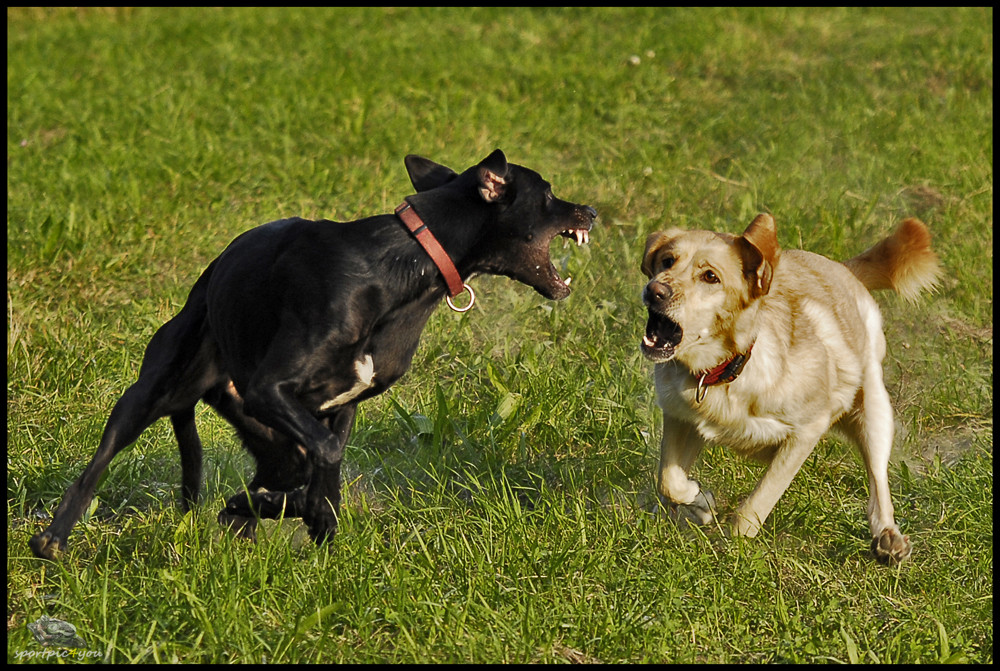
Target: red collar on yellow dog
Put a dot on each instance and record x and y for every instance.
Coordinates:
(727, 371)
(419, 229)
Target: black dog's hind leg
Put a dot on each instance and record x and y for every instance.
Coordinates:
(134, 412)
(178, 366)
(190, 447)
(128, 419)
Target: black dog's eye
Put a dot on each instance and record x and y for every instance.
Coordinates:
(710, 277)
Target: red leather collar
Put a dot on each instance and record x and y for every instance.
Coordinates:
(727, 371)
(432, 247)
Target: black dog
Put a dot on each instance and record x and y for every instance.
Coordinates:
(298, 321)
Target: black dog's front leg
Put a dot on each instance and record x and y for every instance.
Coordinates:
(313, 502)
(324, 442)
(281, 464)
(322, 504)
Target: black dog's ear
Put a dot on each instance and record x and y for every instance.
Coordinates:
(425, 174)
(492, 173)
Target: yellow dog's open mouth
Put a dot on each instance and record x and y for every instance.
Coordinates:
(662, 336)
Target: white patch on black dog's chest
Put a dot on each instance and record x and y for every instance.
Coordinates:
(365, 369)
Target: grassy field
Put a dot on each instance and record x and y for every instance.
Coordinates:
(498, 501)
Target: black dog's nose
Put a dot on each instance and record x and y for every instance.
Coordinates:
(591, 211)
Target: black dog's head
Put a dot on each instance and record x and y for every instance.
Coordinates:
(516, 214)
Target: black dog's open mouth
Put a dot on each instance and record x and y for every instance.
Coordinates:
(662, 337)
(582, 237)
(555, 287)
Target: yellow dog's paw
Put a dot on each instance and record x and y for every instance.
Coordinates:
(700, 512)
(891, 547)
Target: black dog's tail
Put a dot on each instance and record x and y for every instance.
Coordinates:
(174, 344)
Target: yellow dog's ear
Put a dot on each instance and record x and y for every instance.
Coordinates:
(654, 243)
(760, 251)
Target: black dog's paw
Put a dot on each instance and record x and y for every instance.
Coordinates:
(239, 505)
(242, 526)
(265, 505)
(322, 528)
(47, 546)
(243, 510)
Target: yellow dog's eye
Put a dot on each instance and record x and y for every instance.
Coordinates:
(666, 262)
(710, 277)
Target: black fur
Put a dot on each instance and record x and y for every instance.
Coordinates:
(278, 332)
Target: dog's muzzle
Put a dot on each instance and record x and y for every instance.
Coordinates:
(663, 334)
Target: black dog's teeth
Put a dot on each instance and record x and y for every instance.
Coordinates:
(581, 235)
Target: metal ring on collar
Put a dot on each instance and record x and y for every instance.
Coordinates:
(472, 299)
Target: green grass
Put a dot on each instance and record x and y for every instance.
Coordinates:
(498, 505)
